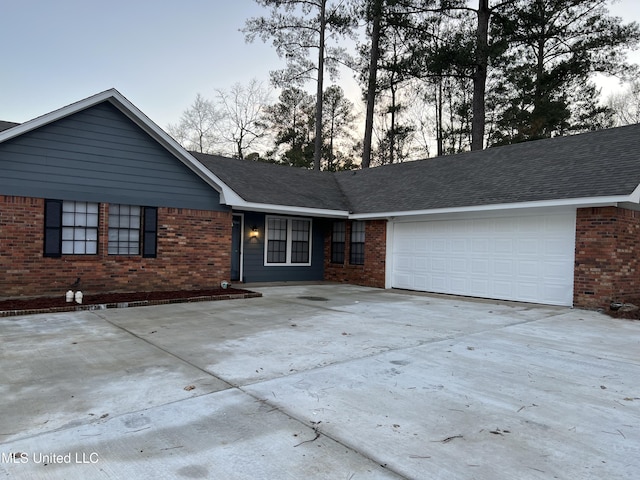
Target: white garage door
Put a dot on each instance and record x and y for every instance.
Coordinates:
(526, 258)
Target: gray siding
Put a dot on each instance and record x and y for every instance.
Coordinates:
(254, 268)
(100, 155)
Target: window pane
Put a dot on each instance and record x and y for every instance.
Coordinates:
(356, 246)
(338, 242)
(67, 219)
(299, 252)
(300, 241)
(124, 229)
(92, 220)
(338, 232)
(67, 247)
(79, 247)
(277, 229)
(277, 251)
(135, 220)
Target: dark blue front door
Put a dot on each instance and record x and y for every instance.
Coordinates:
(236, 244)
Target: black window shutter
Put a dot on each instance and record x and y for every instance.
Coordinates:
(52, 228)
(150, 234)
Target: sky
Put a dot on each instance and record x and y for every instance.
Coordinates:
(158, 53)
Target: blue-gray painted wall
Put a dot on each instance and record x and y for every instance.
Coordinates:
(100, 155)
(254, 269)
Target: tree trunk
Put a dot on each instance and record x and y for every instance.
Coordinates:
(371, 87)
(439, 129)
(392, 129)
(480, 76)
(317, 152)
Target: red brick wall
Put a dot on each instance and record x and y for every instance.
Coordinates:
(607, 257)
(194, 248)
(372, 273)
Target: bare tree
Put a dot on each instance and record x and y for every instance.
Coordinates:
(626, 105)
(197, 128)
(243, 124)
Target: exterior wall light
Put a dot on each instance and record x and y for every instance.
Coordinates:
(254, 233)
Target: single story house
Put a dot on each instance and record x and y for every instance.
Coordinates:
(97, 191)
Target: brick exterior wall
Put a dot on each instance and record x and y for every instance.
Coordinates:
(607, 257)
(372, 273)
(194, 252)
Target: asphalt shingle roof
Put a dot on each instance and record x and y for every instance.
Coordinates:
(277, 184)
(4, 125)
(595, 164)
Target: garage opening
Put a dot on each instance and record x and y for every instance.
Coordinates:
(523, 257)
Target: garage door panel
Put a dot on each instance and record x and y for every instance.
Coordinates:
(402, 263)
(502, 246)
(554, 270)
(459, 266)
(527, 258)
(555, 293)
(420, 282)
(528, 270)
(402, 281)
(502, 289)
(503, 267)
(459, 246)
(480, 246)
(554, 246)
(438, 265)
(420, 264)
(480, 266)
(479, 287)
(439, 283)
(527, 291)
(439, 245)
(528, 246)
(458, 285)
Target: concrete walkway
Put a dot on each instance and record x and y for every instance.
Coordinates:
(321, 382)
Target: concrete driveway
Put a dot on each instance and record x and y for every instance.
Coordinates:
(321, 382)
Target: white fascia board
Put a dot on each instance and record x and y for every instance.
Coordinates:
(167, 141)
(635, 196)
(57, 115)
(573, 202)
(287, 209)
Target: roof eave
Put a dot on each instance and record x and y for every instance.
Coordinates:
(633, 198)
(240, 204)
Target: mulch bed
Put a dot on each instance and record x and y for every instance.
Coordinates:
(118, 300)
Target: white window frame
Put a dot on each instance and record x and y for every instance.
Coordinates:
(80, 225)
(120, 222)
(289, 221)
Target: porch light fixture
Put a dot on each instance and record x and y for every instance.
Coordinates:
(254, 232)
